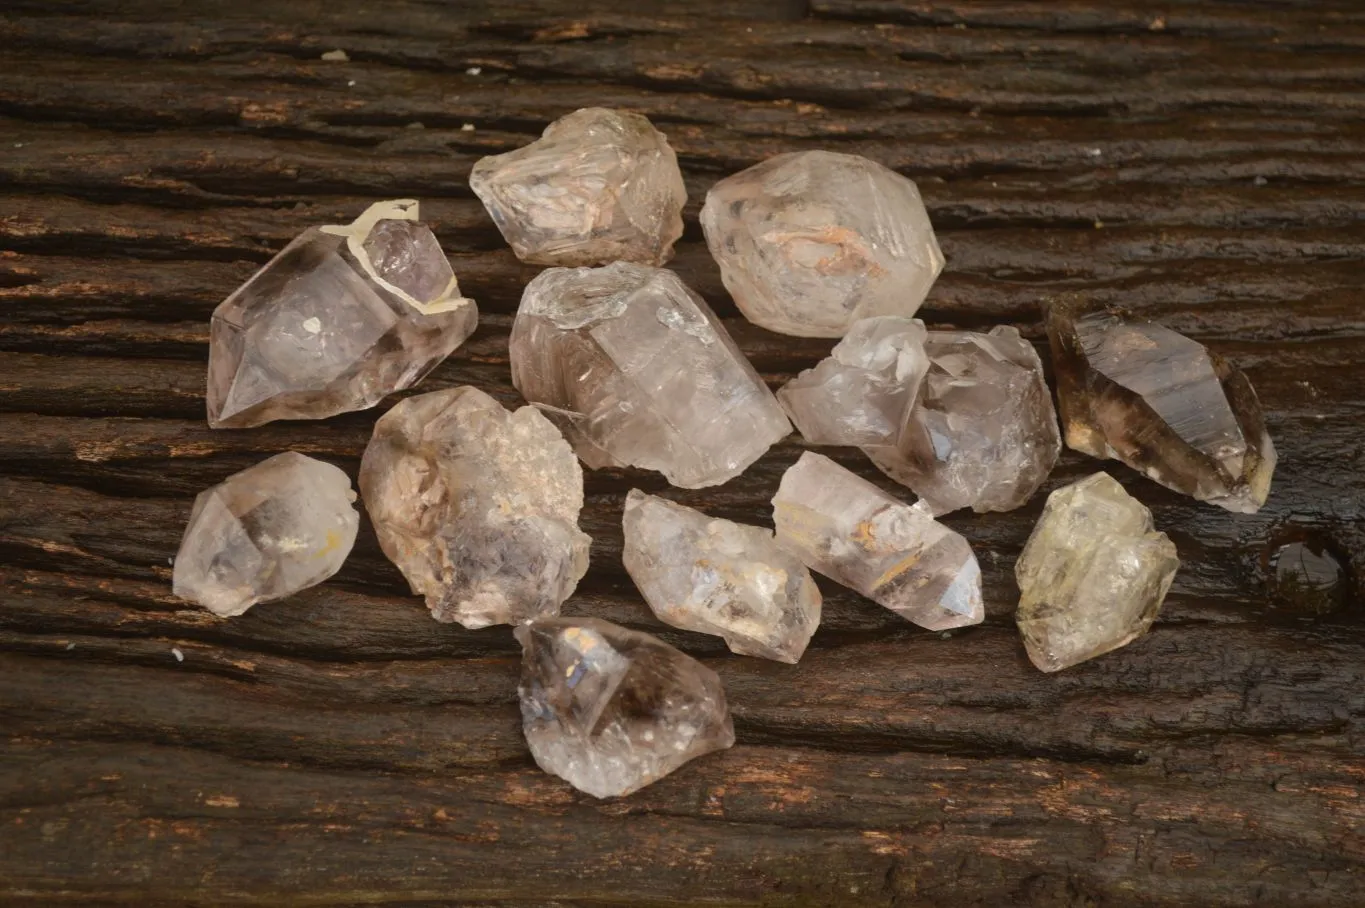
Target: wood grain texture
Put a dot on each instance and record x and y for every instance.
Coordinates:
(1201, 162)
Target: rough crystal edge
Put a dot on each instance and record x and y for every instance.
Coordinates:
(1151, 536)
(737, 644)
(203, 498)
(358, 231)
(1251, 490)
(480, 183)
(726, 740)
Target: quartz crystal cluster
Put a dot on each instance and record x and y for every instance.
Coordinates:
(340, 318)
(895, 554)
(637, 371)
(626, 366)
(1163, 404)
(477, 506)
(1093, 574)
(812, 241)
(718, 577)
(611, 710)
(265, 533)
(598, 187)
(964, 419)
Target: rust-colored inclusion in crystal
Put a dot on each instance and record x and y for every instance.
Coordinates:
(1163, 404)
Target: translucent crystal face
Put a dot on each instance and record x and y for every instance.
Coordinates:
(1163, 404)
(611, 710)
(895, 554)
(810, 242)
(714, 576)
(637, 371)
(599, 186)
(313, 334)
(407, 255)
(1093, 574)
(964, 419)
(477, 506)
(265, 533)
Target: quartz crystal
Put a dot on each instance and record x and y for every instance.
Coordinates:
(599, 186)
(1163, 404)
(637, 371)
(478, 506)
(810, 242)
(718, 577)
(340, 318)
(1093, 574)
(611, 710)
(265, 533)
(964, 419)
(895, 554)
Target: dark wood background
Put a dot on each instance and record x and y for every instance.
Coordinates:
(1198, 161)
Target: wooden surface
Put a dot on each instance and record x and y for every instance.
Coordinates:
(1197, 161)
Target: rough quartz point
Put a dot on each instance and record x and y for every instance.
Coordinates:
(343, 316)
(478, 506)
(599, 186)
(611, 710)
(718, 577)
(267, 532)
(1163, 404)
(1093, 574)
(810, 242)
(895, 554)
(964, 419)
(637, 371)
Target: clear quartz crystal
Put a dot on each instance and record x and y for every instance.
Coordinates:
(1093, 574)
(1163, 404)
(964, 419)
(895, 554)
(478, 506)
(599, 186)
(611, 710)
(810, 242)
(267, 532)
(982, 432)
(331, 323)
(637, 371)
(718, 577)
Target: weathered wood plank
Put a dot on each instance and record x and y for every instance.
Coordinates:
(1200, 163)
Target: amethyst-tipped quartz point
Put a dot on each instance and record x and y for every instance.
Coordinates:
(477, 505)
(611, 710)
(599, 186)
(343, 316)
(718, 577)
(637, 371)
(893, 553)
(267, 532)
(1164, 404)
